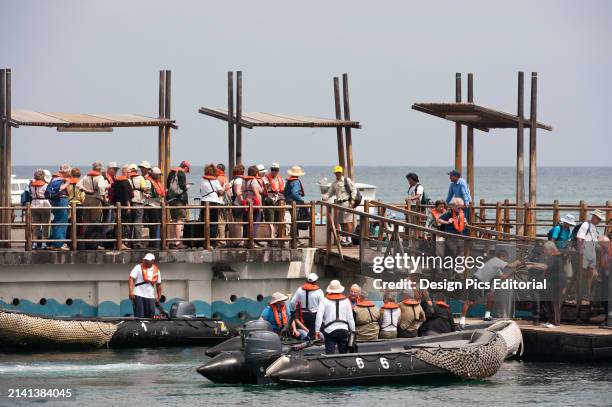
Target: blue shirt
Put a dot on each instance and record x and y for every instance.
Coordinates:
(268, 315)
(561, 236)
(459, 189)
(293, 191)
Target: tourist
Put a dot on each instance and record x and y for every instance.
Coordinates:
(121, 193)
(586, 244)
(438, 210)
(58, 197)
(274, 187)
(223, 214)
(354, 294)
(299, 330)
(367, 318)
(154, 200)
(454, 221)
(140, 187)
(390, 315)
(305, 303)
(94, 186)
(110, 173)
(39, 205)
(552, 267)
(561, 234)
(605, 269)
(176, 193)
(335, 319)
(459, 188)
(412, 315)
(416, 191)
(76, 197)
(294, 190)
(438, 318)
(253, 196)
(495, 267)
(276, 312)
(238, 214)
(145, 288)
(211, 191)
(109, 214)
(343, 189)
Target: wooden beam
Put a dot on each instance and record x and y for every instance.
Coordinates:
(168, 115)
(238, 117)
(3, 176)
(520, 156)
(161, 136)
(7, 215)
(470, 140)
(339, 135)
(231, 154)
(533, 147)
(458, 135)
(347, 130)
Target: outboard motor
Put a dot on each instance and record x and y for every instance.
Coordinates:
(254, 326)
(182, 309)
(261, 349)
(237, 343)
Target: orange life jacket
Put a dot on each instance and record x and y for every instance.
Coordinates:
(73, 181)
(37, 183)
(152, 279)
(437, 214)
(408, 301)
(442, 304)
(93, 173)
(275, 183)
(390, 305)
(159, 188)
(335, 297)
(221, 176)
(210, 177)
(365, 303)
(109, 179)
(458, 221)
(310, 287)
(283, 310)
(121, 178)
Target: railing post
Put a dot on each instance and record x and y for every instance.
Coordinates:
(118, 227)
(251, 241)
(608, 227)
(313, 224)
(483, 211)
(328, 229)
(207, 225)
(363, 236)
(498, 218)
(382, 224)
(163, 227)
(506, 226)
(556, 215)
(526, 230)
(583, 211)
(73, 226)
(282, 231)
(294, 228)
(366, 224)
(28, 227)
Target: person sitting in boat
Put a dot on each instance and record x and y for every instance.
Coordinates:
(335, 319)
(343, 188)
(145, 287)
(390, 315)
(305, 303)
(299, 330)
(439, 319)
(412, 315)
(354, 295)
(276, 312)
(367, 317)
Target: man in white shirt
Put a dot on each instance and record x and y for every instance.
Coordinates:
(586, 240)
(145, 287)
(335, 319)
(305, 303)
(345, 192)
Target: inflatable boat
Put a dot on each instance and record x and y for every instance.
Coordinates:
(21, 331)
(258, 348)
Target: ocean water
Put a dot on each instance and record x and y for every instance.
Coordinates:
(567, 184)
(167, 377)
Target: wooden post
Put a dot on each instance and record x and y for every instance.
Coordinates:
(73, 227)
(347, 130)
(483, 211)
(168, 115)
(533, 148)
(556, 215)
(328, 229)
(230, 123)
(118, 228)
(339, 135)
(313, 224)
(3, 175)
(470, 140)
(458, 135)
(520, 156)
(526, 227)
(163, 228)
(250, 227)
(366, 225)
(238, 117)
(161, 138)
(28, 227)
(206, 219)
(607, 229)
(583, 211)
(363, 236)
(506, 225)
(294, 227)
(498, 218)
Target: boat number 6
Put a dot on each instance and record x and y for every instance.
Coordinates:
(360, 363)
(384, 363)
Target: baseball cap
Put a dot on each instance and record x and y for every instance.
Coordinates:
(112, 164)
(149, 257)
(145, 164)
(338, 168)
(312, 277)
(156, 170)
(454, 173)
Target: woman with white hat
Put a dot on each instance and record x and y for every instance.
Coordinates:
(276, 312)
(305, 303)
(561, 233)
(335, 319)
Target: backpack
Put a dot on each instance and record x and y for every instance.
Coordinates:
(550, 233)
(174, 189)
(424, 197)
(358, 198)
(53, 189)
(26, 196)
(574, 235)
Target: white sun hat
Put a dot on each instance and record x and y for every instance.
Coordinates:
(278, 297)
(569, 219)
(335, 287)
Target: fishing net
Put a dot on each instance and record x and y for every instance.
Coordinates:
(512, 336)
(18, 329)
(470, 362)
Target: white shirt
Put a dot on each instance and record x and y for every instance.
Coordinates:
(327, 313)
(208, 190)
(143, 290)
(587, 232)
(236, 199)
(314, 299)
(492, 268)
(417, 189)
(389, 318)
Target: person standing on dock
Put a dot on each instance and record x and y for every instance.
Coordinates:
(94, 185)
(212, 192)
(238, 214)
(345, 192)
(459, 188)
(274, 186)
(335, 319)
(454, 221)
(39, 204)
(176, 186)
(145, 288)
(224, 214)
(586, 244)
(305, 303)
(154, 200)
(141, 190)
(58, 197)
(121, 193)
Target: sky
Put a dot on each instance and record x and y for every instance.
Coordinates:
(105, 57)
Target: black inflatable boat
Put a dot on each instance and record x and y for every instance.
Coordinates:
(243, 359)
(20, 331)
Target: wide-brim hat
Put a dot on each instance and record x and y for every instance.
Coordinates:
(599, 213)
(278, 297)
(145, 164)
(335, 287)
(296, 171)
(569, 219)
